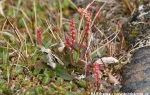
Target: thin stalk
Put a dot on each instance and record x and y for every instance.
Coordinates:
(129, 5)
(78, 39)
(25, 15)
(15, 30)
(28, 31)
(73, 4)
(51, 30)
(102, 46)
(61, 16)
(35, 17)
(3, 28)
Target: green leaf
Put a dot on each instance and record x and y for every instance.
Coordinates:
(36, 71)
(5, 74)
(20, 23)
(8, 91)
(19, 69)
(40, 76)
(4, 88)
(103, 51)
(17, 86)
(69, 93)
(46, 80)
(47, 73)
(65, 4)
(52, 74)
(60, 80)
(3, 85)
(76, 56)
(94, 55)
(63, 74)
(26, 83)
(39, 90)
(30, 91)
(67, 58)
(5, 57)
(51, 90)
(21, 76)
(82, 83)
(3, 67)
(47, 44)
(69, 85)
(10, 12)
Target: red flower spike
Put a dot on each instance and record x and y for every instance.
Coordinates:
(88, 24)
(68, 41)
(81, 11)
(39, 35)
(72, 30)
(96, 73)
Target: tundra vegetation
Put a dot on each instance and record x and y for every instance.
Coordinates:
(67, 47)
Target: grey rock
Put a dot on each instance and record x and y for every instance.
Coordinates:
(136, 75)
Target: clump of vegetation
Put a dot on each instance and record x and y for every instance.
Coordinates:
(56, 47)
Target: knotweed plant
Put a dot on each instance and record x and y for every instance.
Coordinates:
(39, 35)
(78, 43)
(79, 40)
